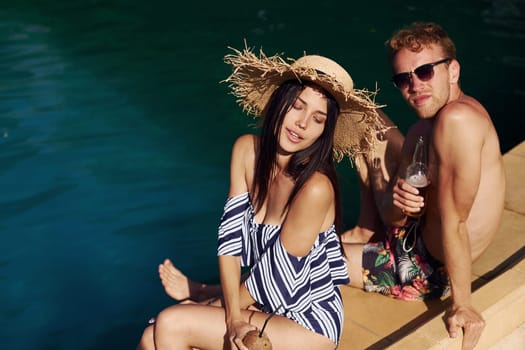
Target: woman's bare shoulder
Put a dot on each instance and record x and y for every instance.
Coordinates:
(246, 140)
(317, 188)
(242, 164)
(244, 148)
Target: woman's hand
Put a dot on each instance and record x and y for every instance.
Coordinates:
(236, 331)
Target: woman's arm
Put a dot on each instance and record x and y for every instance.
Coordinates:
(229, 266)
(242, 165)
(311, 212)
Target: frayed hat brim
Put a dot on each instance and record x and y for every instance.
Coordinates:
(254, 79)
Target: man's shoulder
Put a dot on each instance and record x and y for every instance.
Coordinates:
(463, 109)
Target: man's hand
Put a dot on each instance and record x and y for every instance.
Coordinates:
(470, 320)
(407, 197)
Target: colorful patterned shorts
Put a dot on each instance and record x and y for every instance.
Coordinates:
(402, 268)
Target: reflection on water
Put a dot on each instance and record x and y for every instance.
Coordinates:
(115, 137)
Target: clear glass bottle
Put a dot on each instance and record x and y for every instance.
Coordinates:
(417, 173)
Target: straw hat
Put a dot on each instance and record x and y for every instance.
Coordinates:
(254, 79)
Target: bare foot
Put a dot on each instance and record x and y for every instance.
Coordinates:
(176, 284)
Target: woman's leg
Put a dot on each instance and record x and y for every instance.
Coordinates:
(146, 342)
(184, 326)
(178, 286)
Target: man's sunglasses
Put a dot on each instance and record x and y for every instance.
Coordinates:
(423, 73)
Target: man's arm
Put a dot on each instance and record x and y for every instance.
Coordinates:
(400, 196)
(457, 141)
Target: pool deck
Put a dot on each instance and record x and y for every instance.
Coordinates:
(376, 322)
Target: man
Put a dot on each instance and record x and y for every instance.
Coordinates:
(464, 203)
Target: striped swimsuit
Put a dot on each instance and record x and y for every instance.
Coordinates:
(306, 289)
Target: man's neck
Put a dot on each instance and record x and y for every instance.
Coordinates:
(455, 93)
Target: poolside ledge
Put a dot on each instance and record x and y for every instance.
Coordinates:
(376, 322)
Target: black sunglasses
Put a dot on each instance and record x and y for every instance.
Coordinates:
(423, 73)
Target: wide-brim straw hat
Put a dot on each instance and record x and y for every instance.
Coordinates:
(254, 79)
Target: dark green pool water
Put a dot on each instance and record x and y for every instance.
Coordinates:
(115, 138)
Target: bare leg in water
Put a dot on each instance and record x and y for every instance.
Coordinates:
(178, 286)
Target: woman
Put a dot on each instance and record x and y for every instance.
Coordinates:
(282, 212)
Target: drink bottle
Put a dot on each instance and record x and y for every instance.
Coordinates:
(417, 174)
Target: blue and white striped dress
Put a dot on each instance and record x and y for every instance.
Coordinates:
(304, 289)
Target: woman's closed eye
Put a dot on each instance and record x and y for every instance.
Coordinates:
(298, 105)
(319, 118)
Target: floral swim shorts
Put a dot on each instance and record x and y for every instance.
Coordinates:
(402, 268)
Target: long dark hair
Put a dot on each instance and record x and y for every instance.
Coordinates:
(303, 164)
